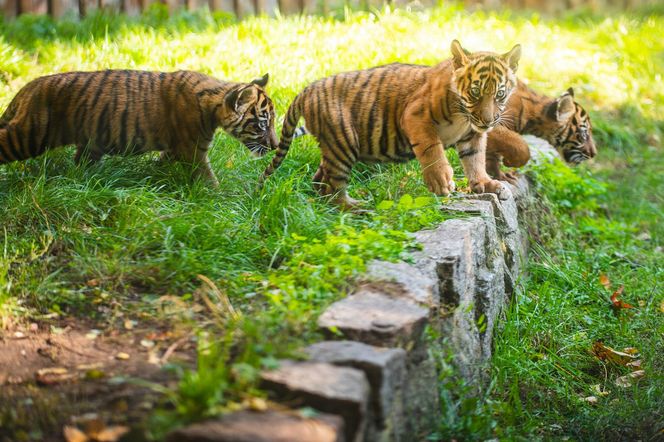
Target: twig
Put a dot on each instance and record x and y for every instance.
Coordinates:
(222, 297)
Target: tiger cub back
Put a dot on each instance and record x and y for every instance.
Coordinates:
(561, 121)
(398, 112)
(131, 112)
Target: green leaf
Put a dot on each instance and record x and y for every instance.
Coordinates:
(406, 202)
(385, 204)
(422, 201)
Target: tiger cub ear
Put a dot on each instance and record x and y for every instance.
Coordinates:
(262, 81)
(239, 99)
(459, 58)
(512, 57)
(562, 108)
(570, 91)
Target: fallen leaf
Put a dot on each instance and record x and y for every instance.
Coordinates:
(634, 365)
(592, 400)
(94, 374)
(606, 353)
(618, 303)
(92, 334)
(122, 356)
(129, 324)
(56, 375)
(256, 403)
(92, 283)
(631, 350)
(19, 335)
(598, 390)
(645, 236)
(73, 434)
(604, 280)
(111, 434)
(626, 381)
(147, 343)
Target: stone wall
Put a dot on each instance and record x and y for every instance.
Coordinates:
(374, 378)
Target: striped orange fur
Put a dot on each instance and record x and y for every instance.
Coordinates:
(131, 112)
(398, 112)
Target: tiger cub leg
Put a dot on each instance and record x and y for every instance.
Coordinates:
(493, 162)
(436, 170)
(331, 179)
(473, 160)
(508, 146)
(86, 154)
(197, 158)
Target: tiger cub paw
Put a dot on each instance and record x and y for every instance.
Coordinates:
(510, 177)
(439, 179)
(491, 186)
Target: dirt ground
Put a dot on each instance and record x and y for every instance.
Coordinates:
(69, 374)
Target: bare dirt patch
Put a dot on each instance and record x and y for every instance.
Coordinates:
(69, 373)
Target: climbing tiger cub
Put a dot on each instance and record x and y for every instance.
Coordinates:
(131, 112)
(398, 112)
(560, 121)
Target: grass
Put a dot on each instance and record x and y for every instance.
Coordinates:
(110, 241)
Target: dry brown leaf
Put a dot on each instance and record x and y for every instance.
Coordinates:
(606, 353)
(618, 303)
(56, 375)
(256, 403)
(634, 365)
(604, 280)
(73, 434)
(111, 434)
(592, 400)
(626, 381)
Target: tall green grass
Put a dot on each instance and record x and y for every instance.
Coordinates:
(110, 240)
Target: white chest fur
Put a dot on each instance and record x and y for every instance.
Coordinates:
(450, 133)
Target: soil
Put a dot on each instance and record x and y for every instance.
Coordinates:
(68, 373)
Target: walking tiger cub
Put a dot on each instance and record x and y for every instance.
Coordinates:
(131, 112)
(399, 111)
(560, 121)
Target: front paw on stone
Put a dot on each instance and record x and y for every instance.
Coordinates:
(440, 180)
(492, 186)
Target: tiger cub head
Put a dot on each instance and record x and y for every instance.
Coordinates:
(249, 116)
(566, 125)
(484, 82)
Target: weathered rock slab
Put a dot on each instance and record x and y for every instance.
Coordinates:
(331, 389)
(413, 283)
(376, 318)
(269, 426)
(385, 369)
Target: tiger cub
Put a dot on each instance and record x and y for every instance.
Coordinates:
(561, 121)
(398, 112)
(131, 112)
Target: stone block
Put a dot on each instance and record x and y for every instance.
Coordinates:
(376, 318)
(385, 369)
(269, 426)
(328, 388)
(412, 283)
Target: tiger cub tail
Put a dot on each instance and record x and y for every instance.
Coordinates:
(288, 132)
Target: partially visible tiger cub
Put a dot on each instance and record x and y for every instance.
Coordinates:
(131, 112)
(398, 112)
(561, 121)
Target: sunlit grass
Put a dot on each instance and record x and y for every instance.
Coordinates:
(141, 231)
